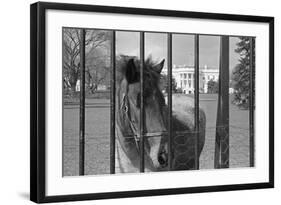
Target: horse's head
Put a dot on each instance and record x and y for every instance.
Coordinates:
(129, 94)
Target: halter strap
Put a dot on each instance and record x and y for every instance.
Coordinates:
(125, 107)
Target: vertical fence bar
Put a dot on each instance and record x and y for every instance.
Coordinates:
(170, 73)
(222, 125)
(225, 101)
(142, 111)
(217, 139)
(251, 104)
(196, 101)
(112, 103)
(82, 105)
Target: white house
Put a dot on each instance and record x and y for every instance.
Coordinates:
(184, 77)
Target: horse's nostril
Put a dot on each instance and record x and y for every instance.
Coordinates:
(162, 159)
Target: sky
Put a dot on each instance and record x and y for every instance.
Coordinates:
(127, 43)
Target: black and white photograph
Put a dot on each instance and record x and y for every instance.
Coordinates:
(140, 102)
(136, 101)
(131, 102)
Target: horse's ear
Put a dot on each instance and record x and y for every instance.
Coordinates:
(131, 71)
(158, 68)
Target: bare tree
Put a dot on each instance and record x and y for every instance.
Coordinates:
(95, 40)
(97, 67)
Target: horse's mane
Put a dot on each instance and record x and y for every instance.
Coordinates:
(150, 75)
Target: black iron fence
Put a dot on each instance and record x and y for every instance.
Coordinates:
(222, 125)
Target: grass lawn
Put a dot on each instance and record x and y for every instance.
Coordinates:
(98, 131)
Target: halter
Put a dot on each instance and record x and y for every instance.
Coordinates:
(125, 107)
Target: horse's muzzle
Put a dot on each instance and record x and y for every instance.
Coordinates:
(163, 159)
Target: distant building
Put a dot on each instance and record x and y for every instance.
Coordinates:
(231, 90)
(77, 86)
(102, 87)
(99, 87)
(184, 77)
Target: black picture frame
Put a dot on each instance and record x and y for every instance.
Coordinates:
(38, 100)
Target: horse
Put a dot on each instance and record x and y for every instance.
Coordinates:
(127, 95)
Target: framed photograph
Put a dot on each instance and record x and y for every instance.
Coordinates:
(129, 102)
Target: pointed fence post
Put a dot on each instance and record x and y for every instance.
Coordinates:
(222, 125)
(112, 104)
(142, 111)
(196, 101)
(82, 105)
(170, 73)
(252, 102)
